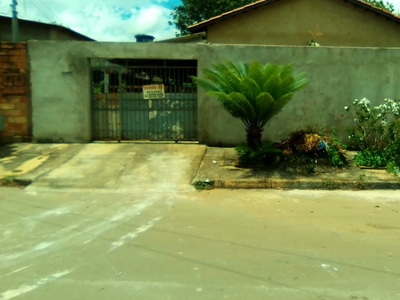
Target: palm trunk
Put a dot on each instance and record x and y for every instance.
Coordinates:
(253, 137)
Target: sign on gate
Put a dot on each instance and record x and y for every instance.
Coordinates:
(154, 91)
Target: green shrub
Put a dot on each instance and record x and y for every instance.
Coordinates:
(376, 133)
(336, 150)
(393, 168)
(262, 155)
(371, 158)
(375, 127)
(203, 185)
(304, 145)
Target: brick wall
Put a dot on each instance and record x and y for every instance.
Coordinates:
(14, 93)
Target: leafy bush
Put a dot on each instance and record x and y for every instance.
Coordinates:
(376, 128)
(376, 134)
(393, 168)
(262, 155)
(336, 151)
(203, 185)
(305, 144)
(371, 158)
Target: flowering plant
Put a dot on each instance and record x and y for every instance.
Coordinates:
(376, 127)
(377, 133)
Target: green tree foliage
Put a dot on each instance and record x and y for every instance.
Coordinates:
(254, 93)
(194, 11)
(382, 5)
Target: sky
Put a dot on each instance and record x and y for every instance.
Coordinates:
(102, 20)
(106, 20)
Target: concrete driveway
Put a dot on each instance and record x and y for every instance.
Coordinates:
(144, 233)
(124, 168)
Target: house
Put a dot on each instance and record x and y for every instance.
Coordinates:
(349, 23)
(31, 30)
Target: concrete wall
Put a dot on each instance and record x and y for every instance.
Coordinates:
(60, 78)
(14, 93)
(289, 22)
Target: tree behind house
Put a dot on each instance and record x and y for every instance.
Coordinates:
(381, 4)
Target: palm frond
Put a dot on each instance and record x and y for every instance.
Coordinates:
(256, 72)
(230, 77)
(250, 89)
(231, 106)
(244, 102)
(238, 70)
(278, 106)
(218, 80)
(264, 102)
(270, 86)
(284, 86)
(270, 69)
(285, 70)
(299, 82)
(205, 84)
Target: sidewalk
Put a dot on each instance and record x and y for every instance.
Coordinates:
(219, 167)
(23, 164)
(101, 167)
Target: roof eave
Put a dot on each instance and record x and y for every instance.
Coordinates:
(202, 26)
(376, 10)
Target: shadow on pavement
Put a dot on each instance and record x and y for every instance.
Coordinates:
(7, 150)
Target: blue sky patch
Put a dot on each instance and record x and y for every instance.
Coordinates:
(171, 3)
(126, 15)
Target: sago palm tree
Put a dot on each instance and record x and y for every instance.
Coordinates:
(254, 93)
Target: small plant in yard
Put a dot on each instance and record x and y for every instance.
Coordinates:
(362, 176)
(336, 150)
(262, 155)
(393, 168)
(203, 185)
(376, 133)
(9, 179)
(306, 144)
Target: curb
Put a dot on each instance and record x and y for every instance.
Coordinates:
(306, 184)
(22, 181)
(15, 182)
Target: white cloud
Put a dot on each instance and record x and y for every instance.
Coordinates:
(102, 20)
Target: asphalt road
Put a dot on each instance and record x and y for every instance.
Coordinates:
(182, 244)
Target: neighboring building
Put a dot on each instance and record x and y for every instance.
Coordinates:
(350, 23)
(15, 101)
(30, 30)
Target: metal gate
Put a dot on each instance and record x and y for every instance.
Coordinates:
(120, 112)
